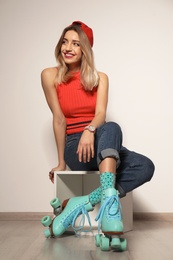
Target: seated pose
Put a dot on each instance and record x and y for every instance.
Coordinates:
(77, 95)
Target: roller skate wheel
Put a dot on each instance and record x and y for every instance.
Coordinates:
(123, 244)
(104, 243)
(55, 203)
(97, 239)
(47, 233)
(46, 221)
(115, 243)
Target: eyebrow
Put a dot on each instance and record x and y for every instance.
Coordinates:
(73, 40)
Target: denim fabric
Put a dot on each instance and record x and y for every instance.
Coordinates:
(108, 141)
(133, 169)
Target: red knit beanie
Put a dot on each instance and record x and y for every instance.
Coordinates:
(88, 31)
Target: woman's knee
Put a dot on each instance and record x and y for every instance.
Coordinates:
(114, 126)
(113, 129)
(139, 168)
(149, 169)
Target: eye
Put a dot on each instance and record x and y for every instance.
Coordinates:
(64, 41)
(76, 44)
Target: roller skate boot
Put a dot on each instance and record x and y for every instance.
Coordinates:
(110, 222)
(70, 212)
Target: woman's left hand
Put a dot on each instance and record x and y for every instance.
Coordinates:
(85, 149)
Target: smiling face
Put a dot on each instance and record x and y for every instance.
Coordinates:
(71, 50)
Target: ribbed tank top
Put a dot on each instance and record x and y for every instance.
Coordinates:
(77, 104)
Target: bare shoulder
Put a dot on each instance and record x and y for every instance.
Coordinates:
(48, 76)
(49, 72)
(104, 80)
(103, 76)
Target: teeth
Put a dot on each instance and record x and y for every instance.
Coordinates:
(68, 55)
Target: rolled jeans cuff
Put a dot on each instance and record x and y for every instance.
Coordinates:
(109, 153)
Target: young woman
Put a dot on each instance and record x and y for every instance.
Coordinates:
(77, 95)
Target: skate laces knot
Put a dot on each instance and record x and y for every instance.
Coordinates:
(71, 220)
(113, 209)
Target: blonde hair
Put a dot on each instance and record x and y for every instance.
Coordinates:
(88, 74)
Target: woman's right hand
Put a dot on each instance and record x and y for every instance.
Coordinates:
(58, 168)
(85, 148)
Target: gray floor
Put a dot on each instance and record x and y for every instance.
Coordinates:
(24, 240)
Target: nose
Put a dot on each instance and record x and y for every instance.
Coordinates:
(68, 47)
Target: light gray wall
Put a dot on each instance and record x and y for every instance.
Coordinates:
(133, 45)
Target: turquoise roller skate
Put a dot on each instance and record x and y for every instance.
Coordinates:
(110, 221)
(70, 212)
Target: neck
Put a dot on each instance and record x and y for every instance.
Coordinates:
(74, 70)
(74, 67)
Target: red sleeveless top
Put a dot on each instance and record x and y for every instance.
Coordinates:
(77, 104)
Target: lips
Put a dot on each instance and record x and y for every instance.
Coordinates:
(68, 55)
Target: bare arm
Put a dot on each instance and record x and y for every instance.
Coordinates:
(102, 100)
(59, 122)
(86, 145)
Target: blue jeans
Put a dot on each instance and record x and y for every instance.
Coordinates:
(133, 169)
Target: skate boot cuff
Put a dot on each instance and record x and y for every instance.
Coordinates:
(122, 193)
